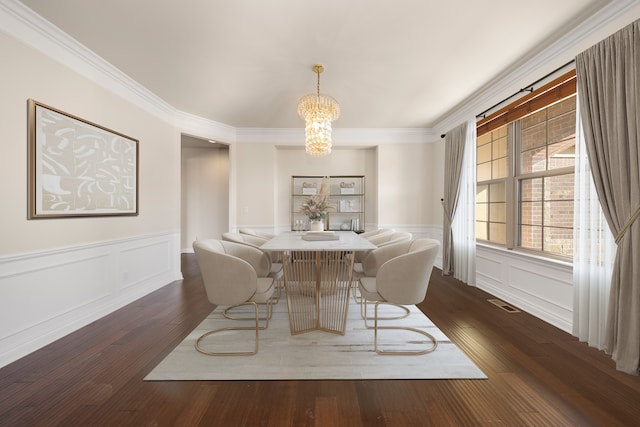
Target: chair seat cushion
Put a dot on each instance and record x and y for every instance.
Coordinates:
(368, 289)
(264, 290)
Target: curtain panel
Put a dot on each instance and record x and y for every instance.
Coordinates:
(608, 76)
(458, 253)
(455, 141)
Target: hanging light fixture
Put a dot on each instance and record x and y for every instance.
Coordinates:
(318, 111)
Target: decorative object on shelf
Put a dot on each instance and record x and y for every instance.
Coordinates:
(347, 188)
(345, 226)
(318, 111)
(316, 225)
(309, 187)
(318, 205)
(345, 207)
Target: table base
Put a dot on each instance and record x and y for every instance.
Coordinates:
(317, 284)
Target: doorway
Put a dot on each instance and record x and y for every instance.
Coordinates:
(204, 190)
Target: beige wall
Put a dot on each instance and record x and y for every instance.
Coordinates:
(29, 74)
(403, 182)
(410, 184)
(205, 194)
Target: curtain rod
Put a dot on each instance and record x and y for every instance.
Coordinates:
(528, 88)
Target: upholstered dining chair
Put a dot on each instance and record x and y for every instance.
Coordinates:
(376, 232)
(388, 238)
(234, 275)
(276, 265)
(380, 240)
(385, 237)
(398, 274)
(261, 234)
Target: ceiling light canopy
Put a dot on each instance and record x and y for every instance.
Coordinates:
(318, 111)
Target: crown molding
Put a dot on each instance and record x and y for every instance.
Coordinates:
(204, 128)
(556, 54)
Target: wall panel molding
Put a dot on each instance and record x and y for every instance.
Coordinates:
(543, 288)
(68, 288)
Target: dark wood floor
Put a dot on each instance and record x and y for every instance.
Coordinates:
(538, 375)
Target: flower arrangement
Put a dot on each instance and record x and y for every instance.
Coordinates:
(317, 205)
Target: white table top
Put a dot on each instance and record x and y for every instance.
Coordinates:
(292, 240)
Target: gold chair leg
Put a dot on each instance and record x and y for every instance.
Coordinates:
(400, 352)
(242, 328)
(269, 313)
(363, 313)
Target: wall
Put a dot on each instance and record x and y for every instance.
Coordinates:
(342, 161)
(536, 285)
(404, 183)
(57, 275)
(205, 194)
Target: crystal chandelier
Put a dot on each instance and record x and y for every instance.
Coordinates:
(318, 111)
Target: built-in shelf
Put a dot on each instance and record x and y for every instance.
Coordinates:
(346, 193)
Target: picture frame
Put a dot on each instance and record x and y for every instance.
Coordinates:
(77, 168)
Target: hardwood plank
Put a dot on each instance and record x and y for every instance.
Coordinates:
(537, 375)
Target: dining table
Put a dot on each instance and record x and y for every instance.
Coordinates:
(318, 276)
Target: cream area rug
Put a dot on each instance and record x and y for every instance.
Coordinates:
(315, 355)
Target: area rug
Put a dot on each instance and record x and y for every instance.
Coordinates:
(315, 355)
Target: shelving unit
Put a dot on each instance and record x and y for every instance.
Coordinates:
(347, 194)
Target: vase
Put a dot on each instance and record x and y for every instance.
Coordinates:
(317, 226)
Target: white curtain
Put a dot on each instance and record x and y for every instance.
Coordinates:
(463, 226)
(594, 253)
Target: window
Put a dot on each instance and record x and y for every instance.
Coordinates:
(545, 179)
(525, 172)
(492, 175)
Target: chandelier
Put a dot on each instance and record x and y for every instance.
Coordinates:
(318, 111)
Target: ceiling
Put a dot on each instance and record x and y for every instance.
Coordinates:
(246, 63)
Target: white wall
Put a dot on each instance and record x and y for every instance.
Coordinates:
(538, 286)
(205, 194)
(57, 275)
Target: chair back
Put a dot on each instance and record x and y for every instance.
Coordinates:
(379, 231)
(228, 279)
(244, 239)
(404, 278)
(252, 232)
(390, 238)
(249, 240)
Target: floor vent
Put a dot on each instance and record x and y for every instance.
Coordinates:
(503, 305)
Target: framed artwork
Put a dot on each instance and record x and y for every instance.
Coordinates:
(78, 168)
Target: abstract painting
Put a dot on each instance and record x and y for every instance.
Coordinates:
(78, 168)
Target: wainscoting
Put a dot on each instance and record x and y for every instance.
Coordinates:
(540, 287)
(47, 295)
